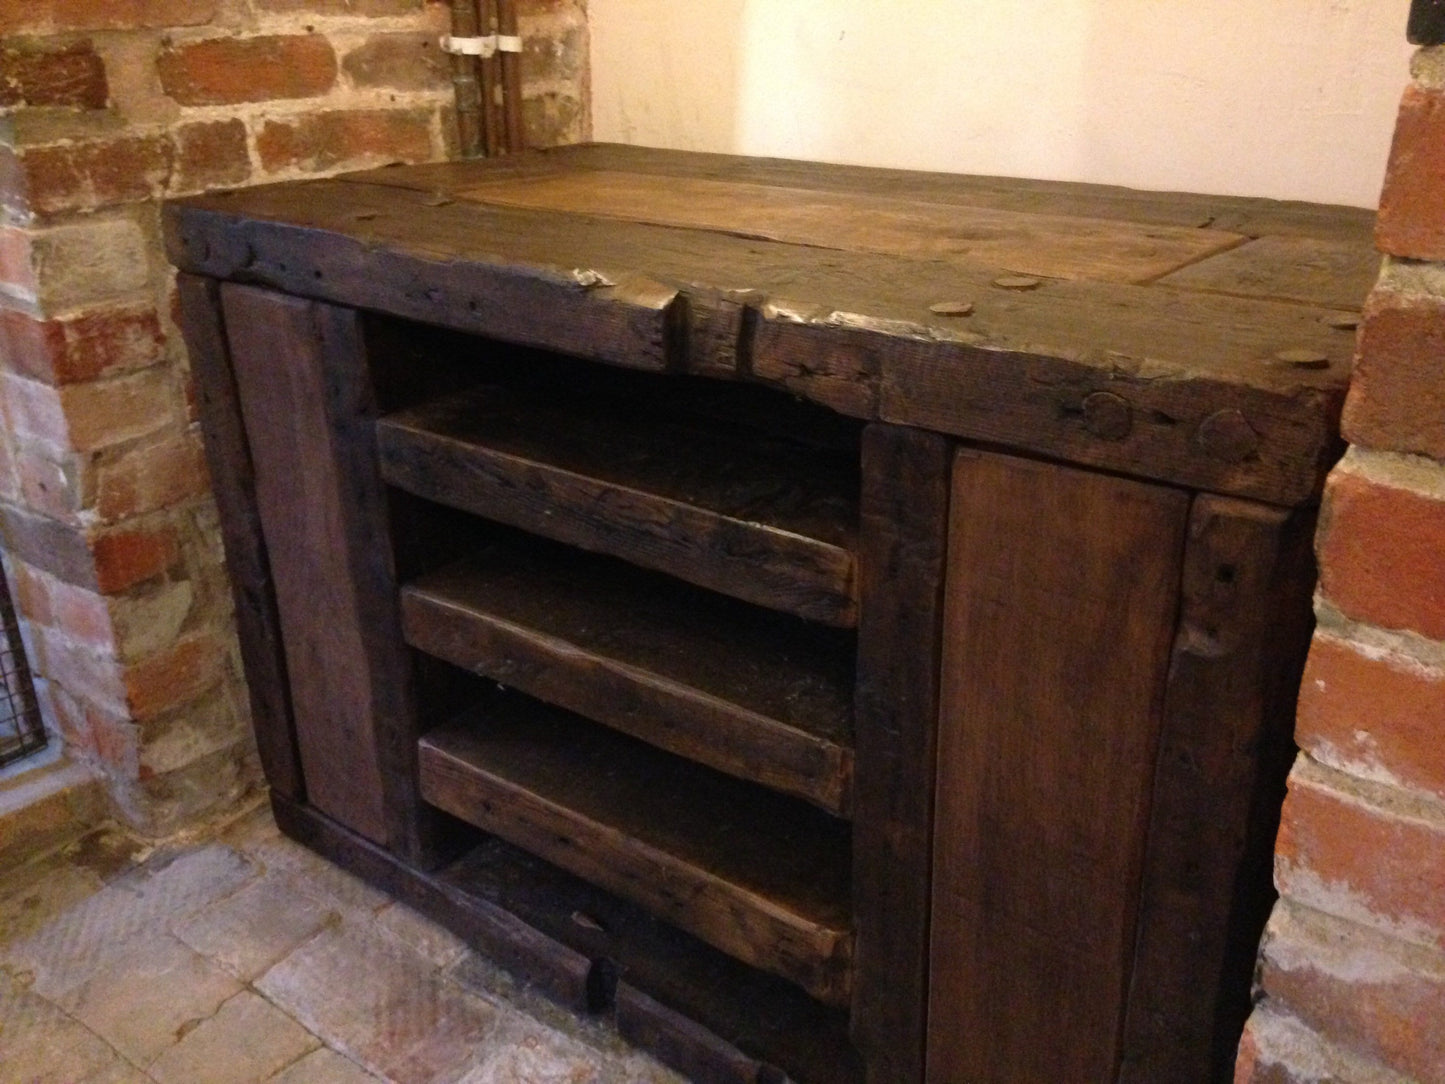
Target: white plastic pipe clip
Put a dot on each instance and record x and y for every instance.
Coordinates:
(484, 47)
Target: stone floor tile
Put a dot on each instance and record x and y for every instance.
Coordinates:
(251, 829)
(34, 893)
(381, 1004)
(324, 1066)
(310, 873)
(247, 1040)
(434, 943)
(253, 929)
(145, 999)
(69, 950)
(39, 1044)
(526, 1051)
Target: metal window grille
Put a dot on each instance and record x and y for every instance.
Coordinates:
(21, 731)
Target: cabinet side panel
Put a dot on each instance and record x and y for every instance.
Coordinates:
(306, 401)
(904, 520)
(258, 624)
(1226, 748)
(1061, 596)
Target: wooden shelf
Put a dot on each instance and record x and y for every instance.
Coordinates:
(761, 877)
(753, 516)
(757, 694)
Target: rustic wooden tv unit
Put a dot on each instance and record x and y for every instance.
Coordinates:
(836, 622)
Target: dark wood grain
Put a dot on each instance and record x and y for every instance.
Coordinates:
(1333, 273)
(1224, 753)
(651, 974)
(306, 399)
(1255, 217)
(233, 480)
(905, 525)
(756, 518)
(756, 875)
(853, 331)
(1029, 242)
(1062, 590)
(684, 1044)
(759, 696)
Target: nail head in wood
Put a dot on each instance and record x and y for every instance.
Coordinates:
(1226, 435)
(1108, 416)
(1016, 282)
(951, 308)
(1347, 322)
(1303, 359)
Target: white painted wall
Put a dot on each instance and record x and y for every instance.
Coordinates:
(1293, 99)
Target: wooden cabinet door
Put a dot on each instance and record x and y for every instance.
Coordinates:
(1061, 598)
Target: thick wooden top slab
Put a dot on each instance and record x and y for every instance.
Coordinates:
(1189, 339)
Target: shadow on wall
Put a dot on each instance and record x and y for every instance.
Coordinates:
(1285, 98)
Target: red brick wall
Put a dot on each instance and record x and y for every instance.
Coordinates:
(109, 527)
(1352, 970)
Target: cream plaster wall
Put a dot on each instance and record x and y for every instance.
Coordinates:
(1287, 98)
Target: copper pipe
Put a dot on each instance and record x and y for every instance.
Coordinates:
(492, 124)
(464, 82)
(511, 79)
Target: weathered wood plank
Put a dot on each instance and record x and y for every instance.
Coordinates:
(823, 325)
(306, 399)
(1224, 753)
(758, 876)
(1253, 216)
(684, 1044)
(233, 480)
(1054, 665)
(1024, 242)
(904, 532)
(762, 697)
(761, 519)
(769, 1021)
(1331, 273)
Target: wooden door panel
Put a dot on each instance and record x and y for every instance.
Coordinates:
(1060, 604)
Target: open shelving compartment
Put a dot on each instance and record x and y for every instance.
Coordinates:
(633, 600)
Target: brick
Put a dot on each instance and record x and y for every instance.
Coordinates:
(552, 119)
(1278, 1049)
(1397, 389)
(81, 346)
(34, 412)
(226, 71)
(55, 547)
(324, 141)
(399, 62)
(1379, 550)
(48, 484)
(558, 57)
(91, 676)
(19, 16)
(103, 413)
(1368, 993)
(68, 75)
(211, 154)
(79, 612)
(70, 266)
(1381, 867)
(1411, 221)
(1374, 715)
(85, 176)
(174, 677)
(150, 476)
(125, 557)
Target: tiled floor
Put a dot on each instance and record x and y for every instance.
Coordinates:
(244, 958)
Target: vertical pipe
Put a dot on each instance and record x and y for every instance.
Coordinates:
(464, 81)
(491, 111)
(511, 79)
